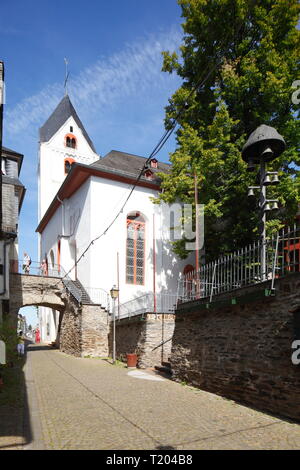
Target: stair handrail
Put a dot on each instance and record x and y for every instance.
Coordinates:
(70, 286)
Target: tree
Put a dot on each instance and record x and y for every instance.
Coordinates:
(238, 61)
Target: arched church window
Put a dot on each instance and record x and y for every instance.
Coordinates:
(188, 273)
(188, 269)
(68, 162)
(135, 249)
(70, 141)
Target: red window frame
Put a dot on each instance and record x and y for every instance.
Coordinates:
(69, 160)
(72, 140)
(137, 226)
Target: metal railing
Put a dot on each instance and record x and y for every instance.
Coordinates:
(85, 294)
(35, 269)
(70, 285)
(98, 296)
(147, 303)
(244, 267)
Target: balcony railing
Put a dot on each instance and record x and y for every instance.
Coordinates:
(86, 295)
(35, 269)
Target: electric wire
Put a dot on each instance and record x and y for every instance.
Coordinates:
(199, 84)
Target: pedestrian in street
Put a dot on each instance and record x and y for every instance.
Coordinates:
(26, 263)
(44, 268)
(21, 344)
(37, 335)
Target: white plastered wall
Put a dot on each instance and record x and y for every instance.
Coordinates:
(51, 162)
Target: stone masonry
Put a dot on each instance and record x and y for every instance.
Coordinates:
(243, 351)
(35, 290)
(83, 329)
(142, 334)
(94, 330)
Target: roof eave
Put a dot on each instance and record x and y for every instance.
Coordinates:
(67, 190)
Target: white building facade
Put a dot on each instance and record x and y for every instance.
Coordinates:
(77, 205)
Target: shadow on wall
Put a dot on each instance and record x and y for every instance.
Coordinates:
(169, 266)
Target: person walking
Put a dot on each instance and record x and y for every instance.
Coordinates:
(44, 268)
(26, 263)
(21, 344)
(37, 335)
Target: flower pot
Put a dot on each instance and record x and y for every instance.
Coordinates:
(131, 360)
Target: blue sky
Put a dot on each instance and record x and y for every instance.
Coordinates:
(116, 84)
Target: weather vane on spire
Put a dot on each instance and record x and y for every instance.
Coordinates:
(66, 76)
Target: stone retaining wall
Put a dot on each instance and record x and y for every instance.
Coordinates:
(243, 351)
(143, 336)
(94, 330)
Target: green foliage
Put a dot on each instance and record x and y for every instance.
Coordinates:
(243, 56)
(8, 334)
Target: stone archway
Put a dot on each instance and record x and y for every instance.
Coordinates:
(40, 291)
(82, 329)
(28, 290)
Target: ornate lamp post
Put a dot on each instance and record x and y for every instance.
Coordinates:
(114, 293)
(262, 146)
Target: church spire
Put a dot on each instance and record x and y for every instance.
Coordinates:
(60, 115)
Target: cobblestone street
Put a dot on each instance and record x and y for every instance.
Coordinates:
(77, 403)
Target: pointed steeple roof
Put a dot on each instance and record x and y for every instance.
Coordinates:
(62, 112)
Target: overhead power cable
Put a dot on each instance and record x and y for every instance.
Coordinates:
(199, 84)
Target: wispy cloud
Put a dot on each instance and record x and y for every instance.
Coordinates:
(10, 31)
(134, 70)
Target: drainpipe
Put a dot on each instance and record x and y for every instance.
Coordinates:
(62, 216)
(7, 243)
(154, 268)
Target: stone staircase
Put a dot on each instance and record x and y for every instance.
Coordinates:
(85, 299)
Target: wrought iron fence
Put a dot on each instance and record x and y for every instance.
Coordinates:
(147, 303)
(244, 267)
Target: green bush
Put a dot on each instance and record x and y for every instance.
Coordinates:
(8, 334)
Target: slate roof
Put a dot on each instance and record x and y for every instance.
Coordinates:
(128, 164)
(7, 150)
(14, 181)
(62, 112)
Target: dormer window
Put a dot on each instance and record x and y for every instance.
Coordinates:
(153, 163)
(148, 174)
(68, 162)
(70, 141)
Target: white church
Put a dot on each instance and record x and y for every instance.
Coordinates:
(79, 194)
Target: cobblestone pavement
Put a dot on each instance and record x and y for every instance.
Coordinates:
(78, 403)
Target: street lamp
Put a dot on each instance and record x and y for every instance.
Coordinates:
(263, 145)
(114, 292)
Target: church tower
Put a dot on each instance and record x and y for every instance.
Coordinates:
(63, 141)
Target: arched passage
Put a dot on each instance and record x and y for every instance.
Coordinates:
(81, 329)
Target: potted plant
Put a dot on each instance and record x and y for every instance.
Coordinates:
(132, 359)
